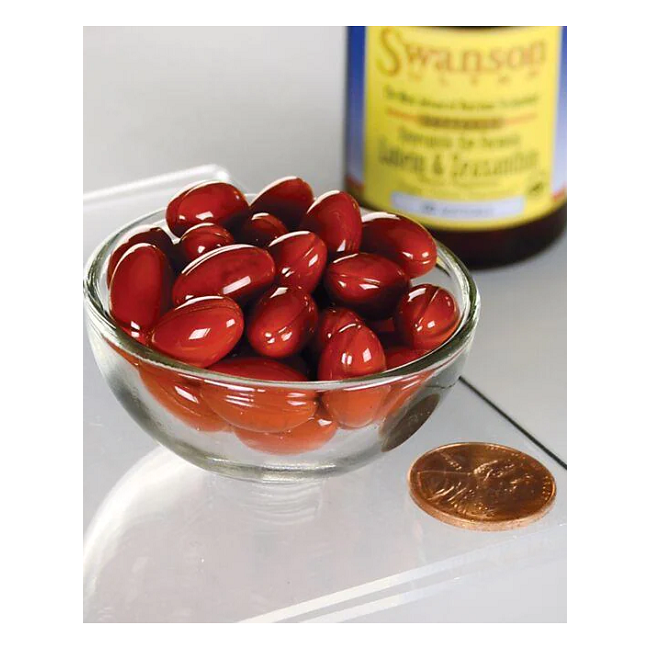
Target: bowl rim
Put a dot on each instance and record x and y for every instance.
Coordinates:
(434, 360)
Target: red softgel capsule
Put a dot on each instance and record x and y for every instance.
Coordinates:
(282, 322)
(181, 397)
(143, 235)
(238, 271)
(199, 332)
(354, 351)
(261, 229)
(310, 435)
(140, 289)
(401, 240)
(300, 259)
(213, 201)
(171, 214)
(400, 355)
(201, 239)
(335, 217)
(401, 393)
(264, 409)
(288, 199)
(426, 317)
(331, 321)
(368, 284)
(355, 408)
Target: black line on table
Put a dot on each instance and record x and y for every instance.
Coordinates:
(514, 423)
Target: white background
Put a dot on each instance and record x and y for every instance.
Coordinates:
(264, 102)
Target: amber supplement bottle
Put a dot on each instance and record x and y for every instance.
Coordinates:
(463, 129)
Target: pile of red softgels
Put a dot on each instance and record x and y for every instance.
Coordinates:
(287, 288)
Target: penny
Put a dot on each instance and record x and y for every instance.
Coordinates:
(481, 486)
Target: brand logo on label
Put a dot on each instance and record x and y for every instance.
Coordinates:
(398, 54)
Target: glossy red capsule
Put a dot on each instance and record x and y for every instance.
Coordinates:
(264, 409)
(401, 393)
(140, 289)
(172, 206)
(239, 271)
(368, 284)
(353, 351)
(213, 201)
(335, 217)
(300, 259)
(331, 321)
(400, 355)
(288, 199)
(310, 435)
(261, 229)
(282, 322)
(200, 331)
(354, 408)
(401, 240)
(426, 316)
(297, 362)
(181, 397)
(201, 239)
(143, 235)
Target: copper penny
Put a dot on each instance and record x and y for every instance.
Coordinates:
(481, 486)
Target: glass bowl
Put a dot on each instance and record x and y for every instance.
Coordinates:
(274, 431)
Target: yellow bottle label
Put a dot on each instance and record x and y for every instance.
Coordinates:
(461, 127)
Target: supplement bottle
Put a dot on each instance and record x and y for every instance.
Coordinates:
(464, 130)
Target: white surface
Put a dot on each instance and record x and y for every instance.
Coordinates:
(519, 354)
(171, 542)
(265, 102)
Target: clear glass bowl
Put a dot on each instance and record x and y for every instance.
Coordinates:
(271, 430)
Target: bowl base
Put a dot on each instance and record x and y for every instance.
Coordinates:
(276, 473)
